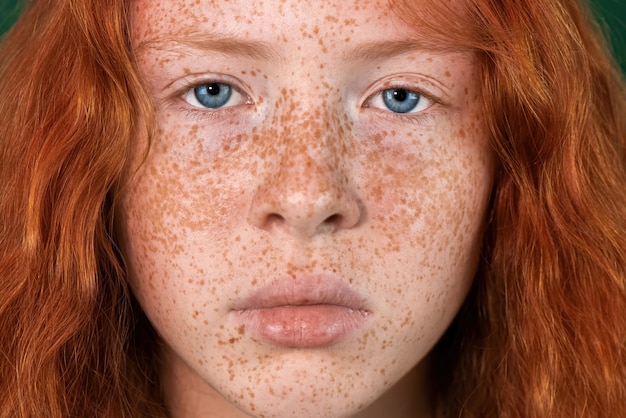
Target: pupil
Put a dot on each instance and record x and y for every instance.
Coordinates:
(400, 95)
(213, 89)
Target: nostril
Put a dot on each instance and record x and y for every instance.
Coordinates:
(304, 213)
(334, 219)
(274, 219)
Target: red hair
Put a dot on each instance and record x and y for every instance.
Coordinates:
(543, 332)
(70, 106)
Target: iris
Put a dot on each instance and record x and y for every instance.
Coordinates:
(213, 95)
(400, 100)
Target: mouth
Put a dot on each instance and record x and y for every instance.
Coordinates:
(307, 312)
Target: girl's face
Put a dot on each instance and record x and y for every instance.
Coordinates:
(308, 219)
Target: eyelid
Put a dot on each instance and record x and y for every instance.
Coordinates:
(378, 96)
(186, 85)
(425, 86)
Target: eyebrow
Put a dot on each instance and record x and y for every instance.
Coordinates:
(223, 44)
(386, 49)
(259, 50)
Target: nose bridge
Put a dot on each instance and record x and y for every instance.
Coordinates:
(309, 134)
(307, 189)
(310, 152)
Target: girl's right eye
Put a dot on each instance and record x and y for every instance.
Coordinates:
(213, 95)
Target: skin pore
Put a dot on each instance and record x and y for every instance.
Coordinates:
(301, 243)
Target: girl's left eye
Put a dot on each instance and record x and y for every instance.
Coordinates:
(400, 100)
(213, 95)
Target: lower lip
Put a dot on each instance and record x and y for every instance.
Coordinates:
(302, 326)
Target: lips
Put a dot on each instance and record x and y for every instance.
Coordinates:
(303, 312)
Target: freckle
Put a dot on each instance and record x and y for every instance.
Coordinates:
(447, 73)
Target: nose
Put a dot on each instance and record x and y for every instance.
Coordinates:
(307, 194)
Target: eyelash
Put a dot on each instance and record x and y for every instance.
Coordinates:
(199, 112)
(191, 93)
(421, 117)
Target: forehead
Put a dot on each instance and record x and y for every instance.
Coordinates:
(319, 19)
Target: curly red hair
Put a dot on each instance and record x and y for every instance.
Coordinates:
(543, 331)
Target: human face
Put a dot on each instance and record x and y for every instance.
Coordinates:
(308, 218)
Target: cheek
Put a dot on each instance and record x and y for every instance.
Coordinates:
(435, 184)
(176, 218)
(427, 201)
(187, 182)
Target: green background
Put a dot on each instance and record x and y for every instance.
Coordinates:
(8, 13)
(612, 14)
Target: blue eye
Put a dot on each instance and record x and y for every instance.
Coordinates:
(401, 100)
(213, 95)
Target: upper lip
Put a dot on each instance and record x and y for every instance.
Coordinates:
(315, 289)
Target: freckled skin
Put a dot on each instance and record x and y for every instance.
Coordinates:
(304, 173)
